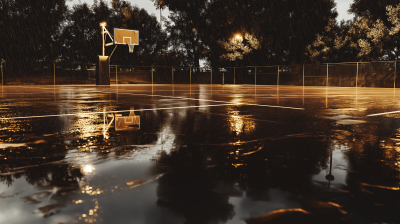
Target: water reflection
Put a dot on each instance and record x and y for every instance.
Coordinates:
(330, 177)
(212, 165)
(198, 198)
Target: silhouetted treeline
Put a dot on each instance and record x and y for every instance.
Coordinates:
(272, 32)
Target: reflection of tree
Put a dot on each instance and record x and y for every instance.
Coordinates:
(191, 186)
(372, 179)
(253, 161)
(199, 198)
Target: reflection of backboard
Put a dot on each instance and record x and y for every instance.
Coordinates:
(121, 123)
(126, 122)
(125, 36)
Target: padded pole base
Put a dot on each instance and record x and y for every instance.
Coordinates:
(103, 74)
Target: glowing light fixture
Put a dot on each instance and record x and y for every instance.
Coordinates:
(238, 38)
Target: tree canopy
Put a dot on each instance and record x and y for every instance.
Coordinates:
(362, 39)
(233, 33)
(30, 29)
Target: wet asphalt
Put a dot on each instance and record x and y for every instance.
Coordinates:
(199, 154)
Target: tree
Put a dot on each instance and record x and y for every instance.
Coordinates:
(80, 36)
(364, 38)
(284, 28)
(31, 29)
(281, 28)
(374, 11)
(186, 25)
(153, 39)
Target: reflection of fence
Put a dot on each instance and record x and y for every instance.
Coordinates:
(360, 74)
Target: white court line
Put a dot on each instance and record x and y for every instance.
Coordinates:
(154, 109)
(392, 112)
(186, 98)
(115, 111)
(216, 101)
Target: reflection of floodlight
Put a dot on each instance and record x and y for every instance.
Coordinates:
(103, 24)
(87, 169)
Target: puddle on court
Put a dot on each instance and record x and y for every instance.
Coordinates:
(194, 164)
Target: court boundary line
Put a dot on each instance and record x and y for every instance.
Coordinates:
(378, 114)
(216, 101)
(115, 111)
(129, 92)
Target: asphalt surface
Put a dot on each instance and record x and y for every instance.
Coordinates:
(199, 154)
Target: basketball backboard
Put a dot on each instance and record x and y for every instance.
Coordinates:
(125, 36)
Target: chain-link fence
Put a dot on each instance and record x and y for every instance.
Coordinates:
(46, 74)
(361, 74)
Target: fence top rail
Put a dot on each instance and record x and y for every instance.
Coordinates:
(163, 66)
(350, 62)
(359, 62)
(270, 66)
(266, 66)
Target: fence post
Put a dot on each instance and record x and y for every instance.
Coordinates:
(234, 75)
(303, 75)
(255, 75)
(211, 75)
(172, 74)
(116, 74)
(2, 73)
(395, 72)
(357, 76)
(54, 67)
(327, 74)
(223, 77)
(277, 83)
(151, 75)
(190, 75)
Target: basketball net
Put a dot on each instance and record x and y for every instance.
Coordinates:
(131, 48)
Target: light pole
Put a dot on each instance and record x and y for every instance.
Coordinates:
(103, 27)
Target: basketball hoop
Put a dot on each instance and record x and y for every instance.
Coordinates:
(131, 47)
(126, 37)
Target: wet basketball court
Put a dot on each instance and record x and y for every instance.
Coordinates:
(199, 154)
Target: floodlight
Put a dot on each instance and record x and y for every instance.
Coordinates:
(238, 37)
